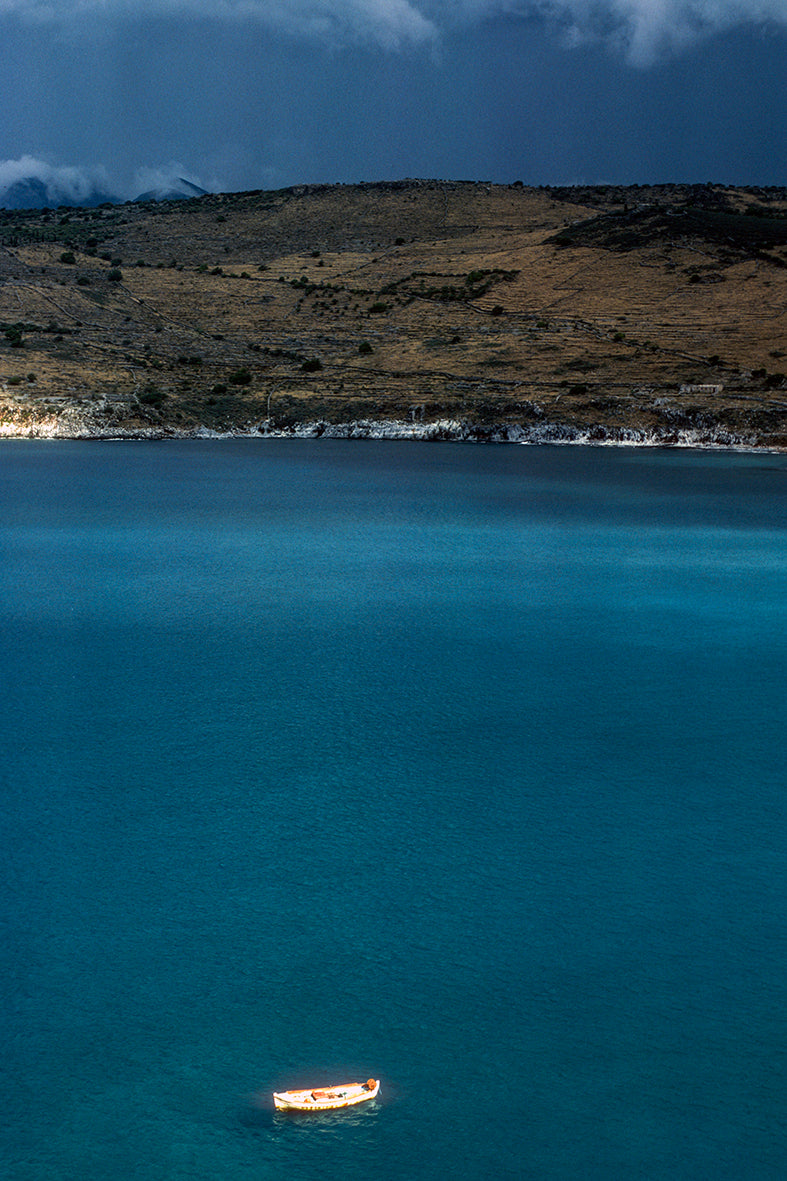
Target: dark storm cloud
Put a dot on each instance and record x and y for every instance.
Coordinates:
(244, 94)
(642, 30)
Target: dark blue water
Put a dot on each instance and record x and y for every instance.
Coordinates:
(461, 767)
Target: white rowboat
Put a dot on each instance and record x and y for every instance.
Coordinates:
(326, 1098)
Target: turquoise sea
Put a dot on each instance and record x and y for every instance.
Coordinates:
(459, 766)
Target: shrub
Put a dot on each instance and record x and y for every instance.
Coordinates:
(68, 257)
(152, 396)
(364, 348)
(311, 365)
(15, 381)
(240, 377)
(379, 306)
(114, 275)
(13, 334)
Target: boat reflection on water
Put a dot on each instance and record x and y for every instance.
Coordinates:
(345, 1117)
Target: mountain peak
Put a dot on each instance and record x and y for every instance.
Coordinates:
(178, 189)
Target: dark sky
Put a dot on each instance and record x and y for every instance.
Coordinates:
(243, 94)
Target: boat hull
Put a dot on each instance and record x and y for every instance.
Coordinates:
(327, 1098)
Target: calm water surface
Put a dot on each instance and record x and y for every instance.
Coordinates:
(459, 766)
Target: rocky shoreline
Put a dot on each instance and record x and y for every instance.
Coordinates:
(441, 430)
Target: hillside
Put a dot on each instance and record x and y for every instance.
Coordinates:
(441, 309)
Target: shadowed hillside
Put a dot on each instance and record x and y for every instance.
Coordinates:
(433, 308)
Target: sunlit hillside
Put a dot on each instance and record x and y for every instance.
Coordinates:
(498, 311)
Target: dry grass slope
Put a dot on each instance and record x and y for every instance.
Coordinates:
(614, 312)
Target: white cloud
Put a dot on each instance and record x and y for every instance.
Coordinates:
(389, 23)
(642, 30)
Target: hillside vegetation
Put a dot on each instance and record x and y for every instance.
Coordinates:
(461, 309)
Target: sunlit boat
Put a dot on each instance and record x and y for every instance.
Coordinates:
(326, 1098)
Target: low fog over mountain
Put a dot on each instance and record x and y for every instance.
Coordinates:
(33, 184)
